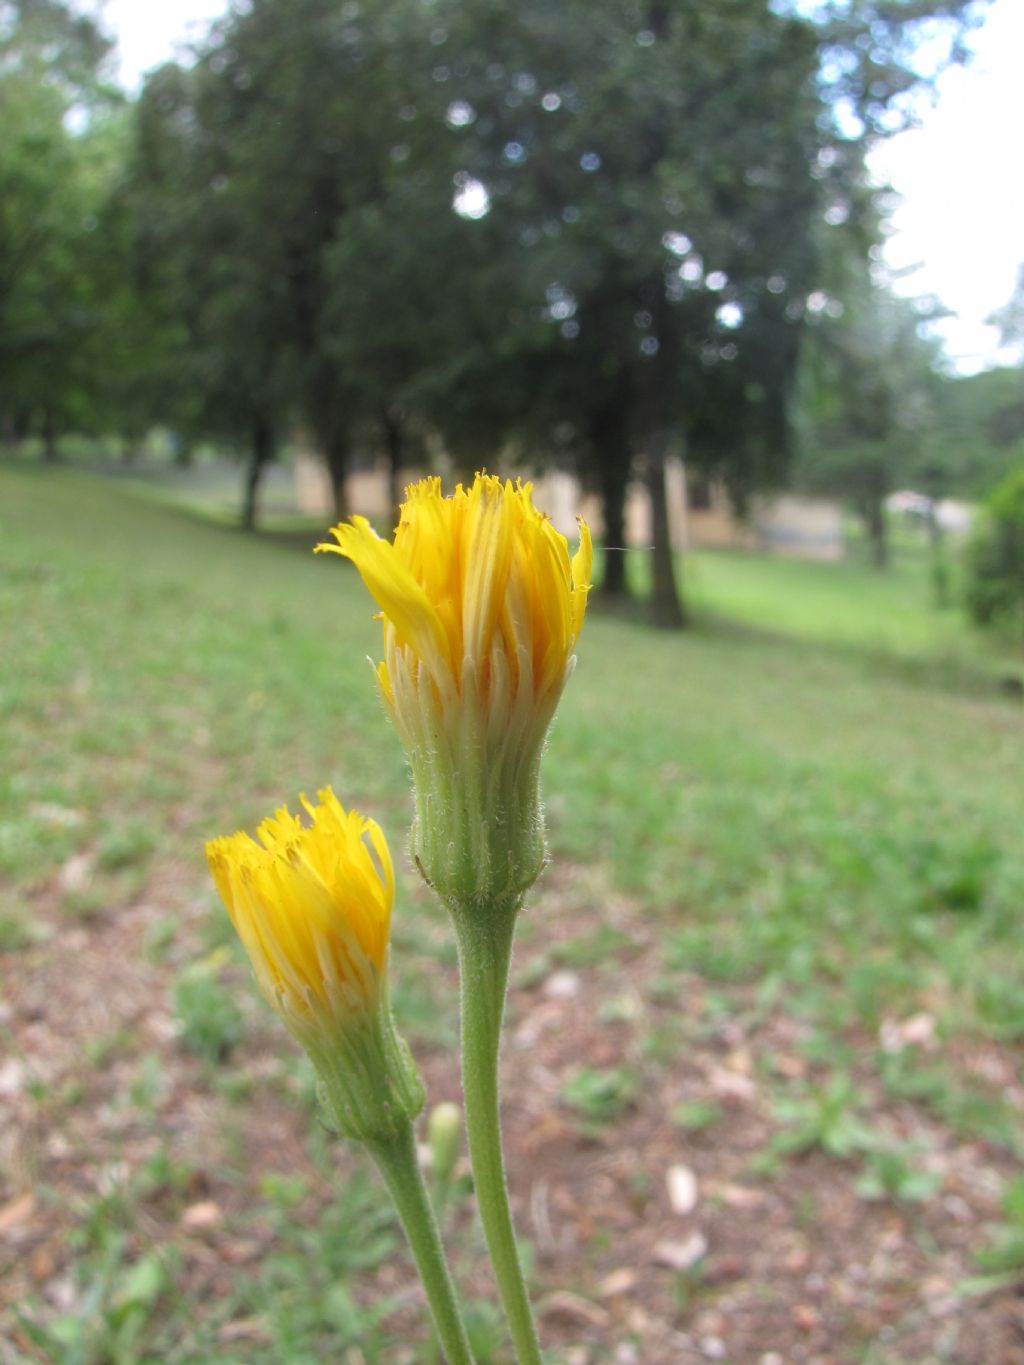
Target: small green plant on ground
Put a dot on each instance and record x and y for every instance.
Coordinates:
(113, 1317)
(693, 1116)
(600, 1095)
(826, 1119)
(211, 1023)
(1002, 1260)
(890, 1174)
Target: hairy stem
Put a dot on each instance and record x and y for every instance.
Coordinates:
(485, 949)
(396, 1161)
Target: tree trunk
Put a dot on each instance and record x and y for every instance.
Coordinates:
(394, 443)
(51, 452)
(877, 527)
(330, 416)
(666, 606)
(260, 455)
(611, 447)
(336, 455)
(939, 567)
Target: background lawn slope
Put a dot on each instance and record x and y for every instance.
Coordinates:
(775, 860)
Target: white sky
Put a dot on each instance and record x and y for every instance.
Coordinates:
(147, 31)
(961, 174)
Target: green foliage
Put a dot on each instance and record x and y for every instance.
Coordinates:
(1002, 1261)
(303, 1292)
(889, 1174)
(211, 1023)
(17, 929)
(126, 847)
(600, 945)
(693, 1116)
(995, 583)
(61, 272)
(113, 1316)
(964, 1109)
(825, 1119)
(600, 1095)
(999, 1002)
(808, 779)
(240, 255)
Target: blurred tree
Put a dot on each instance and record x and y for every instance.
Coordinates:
(585, 231)
(870, 392)
(157, 206)
(57, 156)
(995, 585)
(1010, 318)
(981, 419)
(625, 156)
(661, 172)
(271, 229)
(1006, 424)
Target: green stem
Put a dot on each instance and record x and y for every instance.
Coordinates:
(396, 1161)
(485, 950)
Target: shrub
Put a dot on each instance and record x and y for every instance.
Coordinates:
(995, 564)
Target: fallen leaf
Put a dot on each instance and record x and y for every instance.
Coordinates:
(681, 1255)
(198, 1217)
(731, 1083)
(76, 872)
(243, 1329)
(564, 1304)
(12, 1075)
(741, 1196)
(917, 1031)
(17, 1211)
(50, 813)
(805, 1316)
(793, 1068)
(562, 985)
(682, 1189)
(620, 1281)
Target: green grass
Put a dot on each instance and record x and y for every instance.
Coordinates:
(846, 602)
(815, 795)
(785, 807)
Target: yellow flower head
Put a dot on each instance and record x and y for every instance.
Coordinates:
(482, 608)
(312, 906)
(477, 590)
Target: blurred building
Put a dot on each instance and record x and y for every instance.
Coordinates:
(700, 517)
(950, 514)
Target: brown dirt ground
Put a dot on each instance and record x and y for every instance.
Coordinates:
(798, 1267)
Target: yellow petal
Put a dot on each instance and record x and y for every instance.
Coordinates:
(393, 586)
(311, 904)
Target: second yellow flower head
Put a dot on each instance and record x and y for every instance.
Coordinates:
(312, 905)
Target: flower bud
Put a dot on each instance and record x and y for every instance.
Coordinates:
(444, 1137)
(482, 608)
(312, 906)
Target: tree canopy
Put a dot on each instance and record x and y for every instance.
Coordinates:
(594, 234)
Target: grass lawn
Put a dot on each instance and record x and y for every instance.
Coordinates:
(779, 944)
